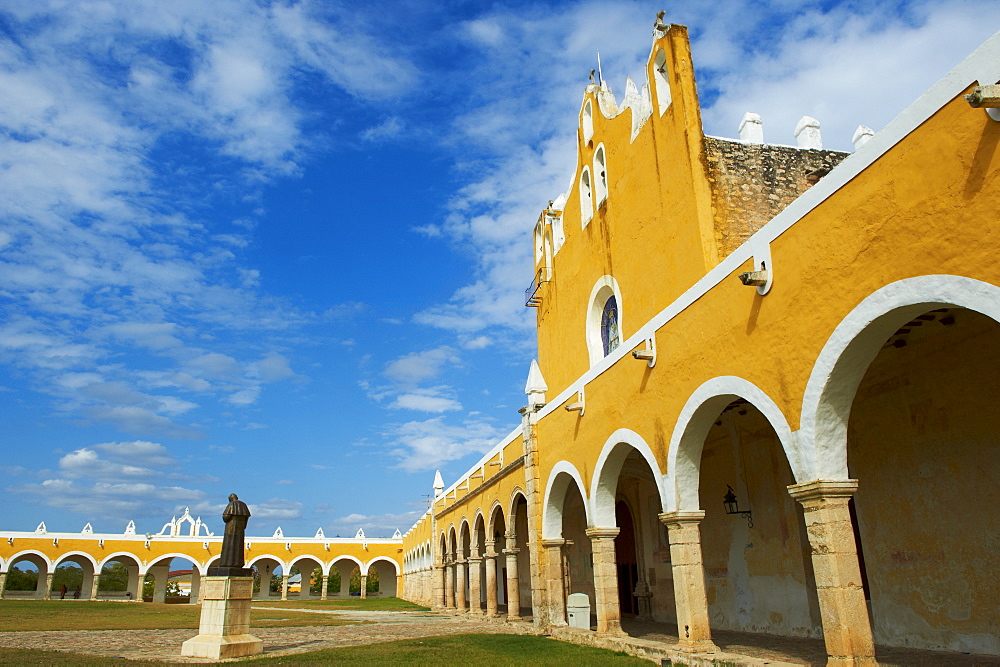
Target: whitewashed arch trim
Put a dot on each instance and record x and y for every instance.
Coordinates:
(555, 495)
(700, 411)
(609, 464)
(852, 346)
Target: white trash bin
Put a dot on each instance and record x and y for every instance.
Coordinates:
(578, 610)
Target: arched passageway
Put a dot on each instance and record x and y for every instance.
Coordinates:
(922, 441)
(758, 571)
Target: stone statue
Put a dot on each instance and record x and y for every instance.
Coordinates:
(236, 516)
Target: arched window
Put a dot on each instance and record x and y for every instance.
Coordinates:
(660, 81)
(604, 319)
(610, 335)
(586, 198)
(588, 122)
(600, 176)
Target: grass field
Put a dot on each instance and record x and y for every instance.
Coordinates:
(22, 615)
(454, 649)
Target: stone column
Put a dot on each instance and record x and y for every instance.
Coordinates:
(847, 628)
(460, 600)
(606, 579)
(47, 593)
(513, 583)
(554, 580)
(491, 580)
(364, 586)
(3, 583)
(690, 599)
(134, 587)
(440, 584)
(345, 582)
(475, 583)
(95, 585)
(161, 573)
(195, 595)
(325, 582)
(284, 586)
(449, 584)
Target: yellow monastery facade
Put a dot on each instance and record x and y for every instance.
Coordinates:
(763, 394)
(151, 555)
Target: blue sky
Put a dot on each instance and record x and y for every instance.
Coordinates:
(279, 248)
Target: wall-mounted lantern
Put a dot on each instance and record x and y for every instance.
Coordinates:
(733, 507)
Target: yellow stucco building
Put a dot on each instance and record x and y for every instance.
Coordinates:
(763, 396)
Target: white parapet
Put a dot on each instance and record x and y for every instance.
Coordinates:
(807, 133)
(752, 128)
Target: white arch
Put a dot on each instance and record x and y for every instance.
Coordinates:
(284, 566)
(700, 411)
(31, 552)
(605, 287)
(609, 465)
(85, 555)
(319, 563)
(386, 559)
(353, 559)
(844, 359)
(202, 567)
(555, 494)
(495, 507)
(512, 505)
(117, 556)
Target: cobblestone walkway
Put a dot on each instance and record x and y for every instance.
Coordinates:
(165, 645)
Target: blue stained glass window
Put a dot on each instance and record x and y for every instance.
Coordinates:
(609, 326)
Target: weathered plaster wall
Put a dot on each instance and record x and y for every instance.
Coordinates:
(758, 579)
(924, 446)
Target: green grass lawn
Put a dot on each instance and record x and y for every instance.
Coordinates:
(48, 615)
(469, 649)
(454, 649)
(353, 604)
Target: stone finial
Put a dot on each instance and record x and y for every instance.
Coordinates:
(278, 533)
(438, 484)
(41, 530)
(319, 534)
(360, 535)
(535, 387)
(861, 136)
(807, 133)
(88, 529)
(752, 128)
(397, 535)
(130, 528)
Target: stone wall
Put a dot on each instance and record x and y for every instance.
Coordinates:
(752, 183)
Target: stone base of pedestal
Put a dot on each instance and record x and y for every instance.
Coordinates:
(225, 621)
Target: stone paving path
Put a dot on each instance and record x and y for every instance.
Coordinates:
(165, 645)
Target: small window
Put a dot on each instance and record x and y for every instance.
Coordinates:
(610, 335)
(588, 122)
(660, 81)
(600, 176)
(586, 198)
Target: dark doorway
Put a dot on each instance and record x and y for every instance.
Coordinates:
(628, 567)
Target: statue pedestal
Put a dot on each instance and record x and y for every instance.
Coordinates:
(225, 620)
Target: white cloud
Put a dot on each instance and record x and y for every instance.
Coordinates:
(387, 129)
(374, 525)
(420, 366)
(274, 367)
(427, 445)
(276, 509)
(427, 400)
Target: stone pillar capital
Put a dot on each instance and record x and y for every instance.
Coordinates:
(679, 517)
(511, 552)
(475, 559)
(603, 533)
(554, 543)
(821, 489)
(490, 555)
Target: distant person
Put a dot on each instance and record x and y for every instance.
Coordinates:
(62, 592)
(76, 593)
